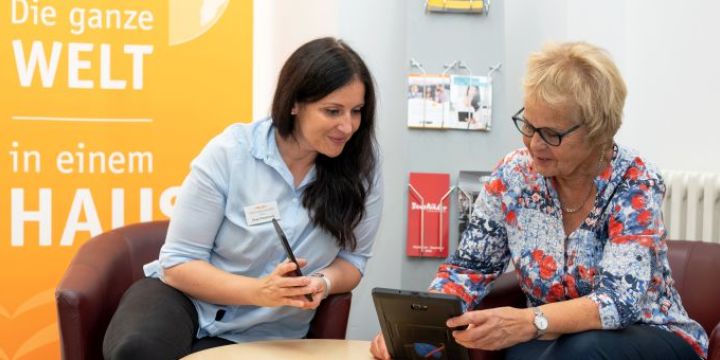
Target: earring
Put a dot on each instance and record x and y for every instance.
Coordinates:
(602, 158)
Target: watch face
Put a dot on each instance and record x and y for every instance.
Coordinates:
(541, 322)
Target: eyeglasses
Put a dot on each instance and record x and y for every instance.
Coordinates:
(550, 136)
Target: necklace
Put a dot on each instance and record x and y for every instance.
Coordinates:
(570, 210)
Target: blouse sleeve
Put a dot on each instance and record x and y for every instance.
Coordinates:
(367, 228)
(199, 208)
(635, 232)
(483, 252)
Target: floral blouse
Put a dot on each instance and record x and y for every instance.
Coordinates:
(617, 257)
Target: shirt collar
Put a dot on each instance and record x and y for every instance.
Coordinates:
(263, 142)
(264, 148)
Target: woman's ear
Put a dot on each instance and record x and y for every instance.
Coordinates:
(294, 109)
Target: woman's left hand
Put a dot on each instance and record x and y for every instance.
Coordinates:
(318, 286)
(494, 329)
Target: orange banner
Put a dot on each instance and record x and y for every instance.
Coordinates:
(104, 104)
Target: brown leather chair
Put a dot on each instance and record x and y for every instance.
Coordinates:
(694, 266)
(109, 263)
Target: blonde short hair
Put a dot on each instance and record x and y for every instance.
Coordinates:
(581, 75)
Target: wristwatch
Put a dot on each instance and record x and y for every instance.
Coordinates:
(327, 283)
(540, 322)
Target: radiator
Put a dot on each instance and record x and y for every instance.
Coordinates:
(691, 209)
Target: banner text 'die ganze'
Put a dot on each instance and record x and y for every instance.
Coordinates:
(44, 58)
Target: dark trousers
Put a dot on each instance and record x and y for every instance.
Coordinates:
(637, 342)
(154, 321)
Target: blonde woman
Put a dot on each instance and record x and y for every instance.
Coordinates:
(579, 216)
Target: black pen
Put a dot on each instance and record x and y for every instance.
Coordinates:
(289, 252)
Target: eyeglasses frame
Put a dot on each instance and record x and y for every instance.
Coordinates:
(516, 118)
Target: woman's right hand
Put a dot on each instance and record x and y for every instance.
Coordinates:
(282, 288)
(378, 348)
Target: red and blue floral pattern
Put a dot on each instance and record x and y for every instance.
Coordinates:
(617, 257)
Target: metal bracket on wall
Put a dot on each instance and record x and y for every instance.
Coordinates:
(414, 64)
(493, 69)
(457, 66)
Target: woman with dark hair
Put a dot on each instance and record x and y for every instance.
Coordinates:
(221, 277)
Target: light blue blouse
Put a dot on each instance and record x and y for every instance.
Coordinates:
(241, 167)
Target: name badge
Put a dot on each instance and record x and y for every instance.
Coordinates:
(261, 213)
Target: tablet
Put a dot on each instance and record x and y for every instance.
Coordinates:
(413, 324)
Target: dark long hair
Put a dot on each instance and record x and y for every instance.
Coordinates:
(336, 199)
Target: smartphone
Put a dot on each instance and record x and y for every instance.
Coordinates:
(289, 252)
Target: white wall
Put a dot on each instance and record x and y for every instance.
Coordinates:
(668, 52)
(673, 74)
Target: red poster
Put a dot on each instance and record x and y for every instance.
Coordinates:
(428, 205)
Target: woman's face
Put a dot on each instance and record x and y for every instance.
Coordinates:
(325, 126)
(573, 157)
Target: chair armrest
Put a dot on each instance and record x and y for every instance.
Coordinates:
(100, 272)
(505, 292)
(331, 317)
(89, 293)
(714, 348)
